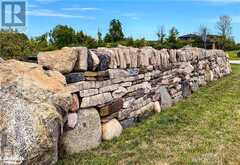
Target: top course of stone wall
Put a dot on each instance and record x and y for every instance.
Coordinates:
(80, 59)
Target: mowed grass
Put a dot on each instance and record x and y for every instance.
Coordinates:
(233, 55)
(203, 129)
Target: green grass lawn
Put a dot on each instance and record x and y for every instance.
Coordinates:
(233, 55)
(203, 129)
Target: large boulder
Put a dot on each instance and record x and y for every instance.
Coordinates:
(86, 135)
(30, 121)
(62, 60)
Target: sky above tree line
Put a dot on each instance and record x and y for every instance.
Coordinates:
(140, 18)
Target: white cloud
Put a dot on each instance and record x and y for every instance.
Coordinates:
(131, 16)
(80, 9)
(51, 13)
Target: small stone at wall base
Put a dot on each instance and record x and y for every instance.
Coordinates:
(186, 89)
(194, 86)
(166, 100)
(157, 107)
(128, 123)
(86, 135)
(111, 130)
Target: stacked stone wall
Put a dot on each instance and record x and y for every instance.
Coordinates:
(124, 85)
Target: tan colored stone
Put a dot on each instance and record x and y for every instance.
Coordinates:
(95, 100)
(61, 60)
(109, 88)
(88, 92)
(120, 92)
(57, 75)
(31, 104)
(111, 129)
(134, 57)
(82, 59)
(157, 107)
(123, 64)
(95, 59)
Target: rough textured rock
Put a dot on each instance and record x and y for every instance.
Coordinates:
(108, 88)
(82, 59)
(72, 120)
(194, 86)
(111, 130)
(88, 92)
(116, 73)
(186, 89)
(95, 59)
(74, 77)
(141, 111)
(166, 100)
(86, 135)
(209, 76)
(120, 92)
(104, 62)
(75, 105)
(128, 122)
(31, 103)
(111, 108)
(96, 100)
(57, 75)
(62, 60)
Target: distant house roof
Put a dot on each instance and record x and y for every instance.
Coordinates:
(188, 36)
(210, 38)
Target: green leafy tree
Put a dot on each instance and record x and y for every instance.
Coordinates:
(62, 36)
(99, 37)
(115, 32)
(173, 35)
(14, 44)
(161, 34)
(79, 38)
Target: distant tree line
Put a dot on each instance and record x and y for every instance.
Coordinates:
(18, 45)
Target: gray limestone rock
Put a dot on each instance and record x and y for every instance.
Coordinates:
(86, 135)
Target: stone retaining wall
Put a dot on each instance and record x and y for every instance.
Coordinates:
(113, 88)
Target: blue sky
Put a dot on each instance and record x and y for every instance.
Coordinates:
(140, 18)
